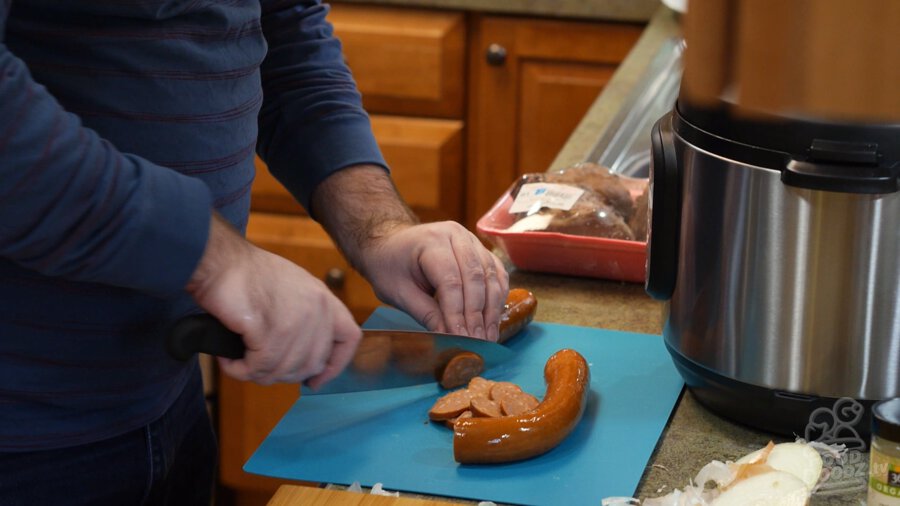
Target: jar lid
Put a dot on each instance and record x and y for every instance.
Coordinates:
(886, 419)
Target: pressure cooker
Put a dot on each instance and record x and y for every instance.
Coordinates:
(774, 233)
(776, 244)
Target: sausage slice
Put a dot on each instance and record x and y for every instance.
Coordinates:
(450, 405)
(517, 403)
(461, 368)
(485, 407)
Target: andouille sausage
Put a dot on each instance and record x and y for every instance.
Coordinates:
(500, 388)
(511, 438)
(518, 312)
(460, 369)
(455, 367)
(518, 403)
(482, 406)
(450, 406)
(480, 387)
(463, 415)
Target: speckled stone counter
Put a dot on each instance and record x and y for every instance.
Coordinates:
(610, 10)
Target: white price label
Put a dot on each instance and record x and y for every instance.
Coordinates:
(533, 197)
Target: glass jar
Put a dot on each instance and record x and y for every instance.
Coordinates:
(884, 461)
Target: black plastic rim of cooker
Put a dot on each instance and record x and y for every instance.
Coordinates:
(788, 414)
(817, 155)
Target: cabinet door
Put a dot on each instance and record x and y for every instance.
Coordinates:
(426, 160)
(425, 156)
(247, 413)
(405, 61)
(531, 83)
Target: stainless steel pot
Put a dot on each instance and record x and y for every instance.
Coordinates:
(777, 246)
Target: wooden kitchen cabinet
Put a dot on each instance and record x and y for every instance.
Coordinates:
(405, 61)
(426, 160)
(531, 82)
(455, 128)
(247, 413)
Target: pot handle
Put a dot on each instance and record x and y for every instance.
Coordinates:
(837, 166)
(665, 212)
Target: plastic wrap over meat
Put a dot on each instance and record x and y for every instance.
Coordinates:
(584, 199)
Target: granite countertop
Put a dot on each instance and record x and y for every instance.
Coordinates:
(610, 10)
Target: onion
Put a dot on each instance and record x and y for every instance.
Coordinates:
(719, 472)
(774, 488)
(799, 459)
(777, 475)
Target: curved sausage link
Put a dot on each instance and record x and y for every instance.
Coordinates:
(510, 438)
(517, 313)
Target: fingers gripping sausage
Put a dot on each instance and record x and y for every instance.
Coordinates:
(517, 313)
(510, 438)
(455, 368)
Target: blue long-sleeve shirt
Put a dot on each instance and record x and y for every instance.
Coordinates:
(122, 126)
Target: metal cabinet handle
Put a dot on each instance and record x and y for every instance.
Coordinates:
(496, 55)
(334, 278)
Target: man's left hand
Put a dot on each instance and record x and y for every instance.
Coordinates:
(441, 275)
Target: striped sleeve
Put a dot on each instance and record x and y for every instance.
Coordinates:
(312, 122)
(73, 206)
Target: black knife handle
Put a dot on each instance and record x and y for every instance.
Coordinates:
(203, 333)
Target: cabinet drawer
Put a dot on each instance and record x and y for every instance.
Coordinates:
(304, 242)
(404, 61)
(425, 156)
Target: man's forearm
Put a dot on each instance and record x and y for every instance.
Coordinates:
(224, 247)
(358, 205)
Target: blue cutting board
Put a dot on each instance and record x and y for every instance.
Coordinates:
(384, 436)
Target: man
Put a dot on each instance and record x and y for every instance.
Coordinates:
(127, 133)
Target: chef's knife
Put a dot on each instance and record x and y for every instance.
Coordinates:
(384, 358)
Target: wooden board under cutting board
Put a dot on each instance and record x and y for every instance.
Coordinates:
(291, 495)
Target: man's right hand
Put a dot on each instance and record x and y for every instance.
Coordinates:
(293, 327)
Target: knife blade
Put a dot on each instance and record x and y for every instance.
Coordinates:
(385, 358)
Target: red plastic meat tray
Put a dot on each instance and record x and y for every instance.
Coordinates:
(574, 255)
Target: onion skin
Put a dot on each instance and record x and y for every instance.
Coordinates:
(512, 438)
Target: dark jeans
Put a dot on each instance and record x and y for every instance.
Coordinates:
(171, 461)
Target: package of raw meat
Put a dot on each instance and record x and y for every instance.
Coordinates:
(582, 220)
